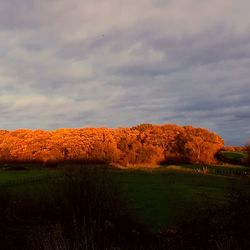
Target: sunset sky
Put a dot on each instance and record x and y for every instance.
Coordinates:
(117, 63)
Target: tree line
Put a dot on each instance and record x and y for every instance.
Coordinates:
(142, 144)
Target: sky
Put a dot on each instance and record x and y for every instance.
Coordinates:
(118, 63)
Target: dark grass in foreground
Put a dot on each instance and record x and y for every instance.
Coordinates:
(99, 209)
(156, 198)
(163, 198)
(82, 211)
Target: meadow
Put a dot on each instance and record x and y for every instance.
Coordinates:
(157, 198)
(77, 206)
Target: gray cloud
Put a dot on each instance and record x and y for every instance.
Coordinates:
(95, 63)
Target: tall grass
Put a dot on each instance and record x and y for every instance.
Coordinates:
(84, 210)
(217, 227)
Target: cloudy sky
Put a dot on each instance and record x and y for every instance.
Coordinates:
(72, 63)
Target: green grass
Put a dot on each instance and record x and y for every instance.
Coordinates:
(218, 167)
(227, 169)
(164, 198)
(15, 177)
(26, 183)
(233, 155)
(156, 198)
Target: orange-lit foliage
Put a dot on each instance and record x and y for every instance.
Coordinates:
(234, 148)
(199, 145)
(143, 144)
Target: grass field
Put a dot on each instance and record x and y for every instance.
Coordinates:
(233, 155)
(163, 198)
(8, 178)
(157, 198)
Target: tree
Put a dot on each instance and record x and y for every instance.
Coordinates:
(143, 144)
(248, 154)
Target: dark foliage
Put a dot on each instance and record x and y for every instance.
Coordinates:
(216, 227)
(84, 211)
